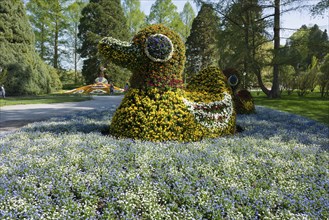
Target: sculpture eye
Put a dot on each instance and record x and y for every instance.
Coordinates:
(233, 80)
(159, 48)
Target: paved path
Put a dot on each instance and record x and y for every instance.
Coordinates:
(16, 116)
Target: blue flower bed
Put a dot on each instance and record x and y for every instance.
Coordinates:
(65, 168)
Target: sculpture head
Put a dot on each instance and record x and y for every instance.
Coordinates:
(156, 57)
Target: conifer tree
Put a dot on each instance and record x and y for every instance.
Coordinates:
(26, 73)
(101, 18)
(201, 45)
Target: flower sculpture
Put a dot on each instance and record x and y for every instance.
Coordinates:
(244, 103)
(156, 107)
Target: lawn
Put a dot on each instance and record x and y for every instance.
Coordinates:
(42, 99)
(65, 168)
(311, 106)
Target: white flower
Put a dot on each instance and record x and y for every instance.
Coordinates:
(204, 115)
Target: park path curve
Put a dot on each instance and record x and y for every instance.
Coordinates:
(16, 116)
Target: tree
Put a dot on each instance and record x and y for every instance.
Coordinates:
(305, 44)
(135, 17)
(101, 18)
(165, 12)
(187, 16)
(49, 25)
(201, 45)
(306, 80)
(242, 40)
(323, 78)
(74, 14)
(41, 23)
(320, 7)
(273, 21)
(26, 73)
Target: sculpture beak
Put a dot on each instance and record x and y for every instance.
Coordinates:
(119, 52)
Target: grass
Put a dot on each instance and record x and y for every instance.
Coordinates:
(42, 99)
(311, 106)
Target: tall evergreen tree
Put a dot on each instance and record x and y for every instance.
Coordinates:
(26, 72)
(201, 45)
(101, 18)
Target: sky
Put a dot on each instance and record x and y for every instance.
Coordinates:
(290, 20)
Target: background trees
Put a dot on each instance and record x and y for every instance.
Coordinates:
(187, 16)
(135, 17)
(26, 72)
(101, 18)
(201, 44)
(73, 42)
(241, 34)
(49, 25)
(165, 12)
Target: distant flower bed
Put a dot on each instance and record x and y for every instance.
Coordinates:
(65, 168)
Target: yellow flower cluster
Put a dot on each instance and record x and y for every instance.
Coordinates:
(244, 103)
(208, 85)
(157, 115)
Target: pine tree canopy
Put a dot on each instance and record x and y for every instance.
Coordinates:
(202, 42)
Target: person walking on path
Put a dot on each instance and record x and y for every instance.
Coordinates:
(3, 91)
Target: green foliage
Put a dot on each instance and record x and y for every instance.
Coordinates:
(242, 35)
(70, 77)
(99, 19)
(306, 80)
(135, 17)
(201, 45)
(320, 7)
(187, 16)
(26, 72)
(305, 44)
(49, 22)
(323, 77)
(165, 12)
(73, 43)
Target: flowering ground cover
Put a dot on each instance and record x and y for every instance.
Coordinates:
(65, 168)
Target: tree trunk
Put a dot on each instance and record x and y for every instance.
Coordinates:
(75, 52)
(275, 91)
(55, 61)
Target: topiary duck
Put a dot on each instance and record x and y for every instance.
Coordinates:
(243, 100)
(156, 107)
